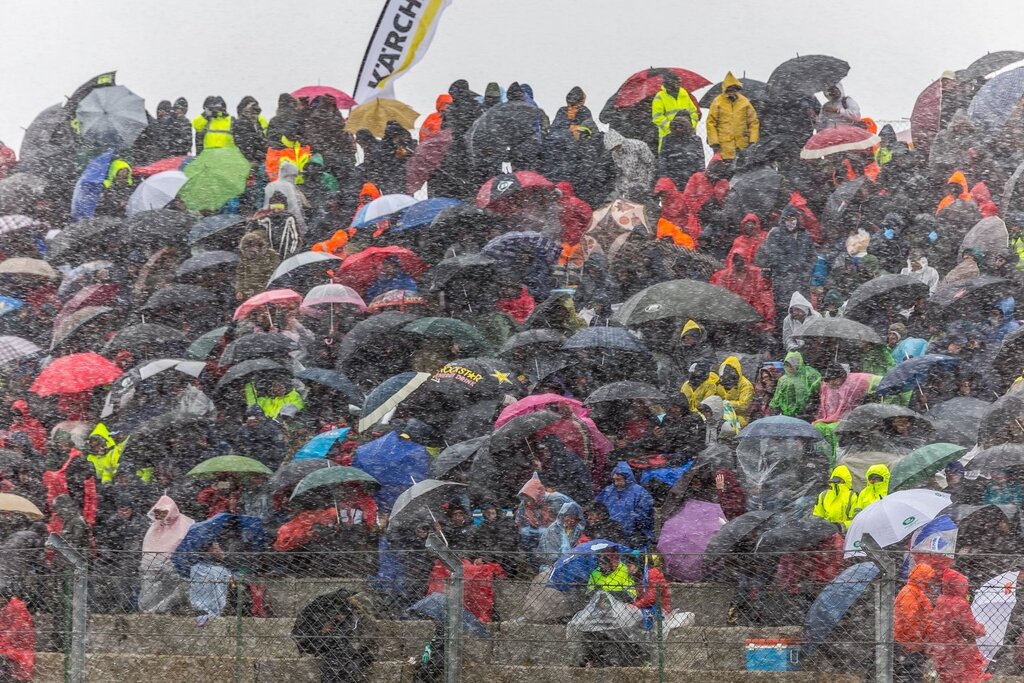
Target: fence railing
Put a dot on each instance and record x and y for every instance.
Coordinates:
(244, 616)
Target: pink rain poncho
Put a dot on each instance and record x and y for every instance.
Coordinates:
(836, 403)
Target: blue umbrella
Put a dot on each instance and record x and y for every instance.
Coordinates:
(835, 600)
(911, 373)
(511, 247)
(993, 104)
(610, 338)
(393, 461)
(433, 607)
(574, 568)
(423, 213)
(9, 304)
(319, 445)
(90, 186)
(779, 426)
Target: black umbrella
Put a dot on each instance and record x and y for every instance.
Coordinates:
(473, 379)
(758, 191)
(519, 428)
(1003, 422)
(370, 333)
(989, 64)
(839, 329)
(963, 414)
(258, 345)
(625, 391)
(532, 342)
(292, 472)
(605, 339)
(222, 231)
(148, 340)
(839, 201)
(151, 439)
(1002, 457)
(457, 454)
(247, 368)
(685, 299)
(467, 266)
(180, 302)
(510, 125)
(333, 380)
(197, 267)
(967, 298)
(1005, 363)
(869, 417)
(754, 90)
(807, 75)
(472, 421)
(796, 536)
(731, 535)
(883, 293)
(466, 225)
(76, 322)
(46, 138)
(152, 230)
(89, 239)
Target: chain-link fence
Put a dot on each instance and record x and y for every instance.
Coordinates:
(358, 616)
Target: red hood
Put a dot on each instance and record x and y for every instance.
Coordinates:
(954, 583)
(750, 218)
(665, 185)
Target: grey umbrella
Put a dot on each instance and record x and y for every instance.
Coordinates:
(428, 495)
(869, 417)
(757, 191)
(113, 116)
(989, 64)
(841, 329)
(197, 266)
(19, 192)
(625, 391)
(608, 338)
(685, 299)
(807, 74)
(457, 454)
(882, 293)
(522, 427)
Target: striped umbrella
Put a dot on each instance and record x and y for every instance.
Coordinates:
(15, 348)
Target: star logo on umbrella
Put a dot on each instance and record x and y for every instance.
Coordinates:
(502, 377)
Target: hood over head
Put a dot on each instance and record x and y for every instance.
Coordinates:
(623, 468)
(922, 576)
(750, 218)
(288, 171)
(798, 300)
(534, 489)
(717, 407)
(442, 101)
(166, 503)
(954, 583)
(730, 81)
(842, 472)
(571, 508)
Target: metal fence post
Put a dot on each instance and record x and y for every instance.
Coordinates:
(79, 605)
(239, 592)
(885, 606)
(453, 611)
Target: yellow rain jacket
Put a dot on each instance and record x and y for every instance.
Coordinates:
(273, 406)
(709, 387)
(217, 131)
(732, 124)
(618, 580)
(106, 463)
(872, 492)
(835, 504)
(665, 107)
(742, 394)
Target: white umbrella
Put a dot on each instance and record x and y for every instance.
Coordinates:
(895, 517)
(112, 116)
(382, 207)
(992, 606)
(304, 258)
(155, 192)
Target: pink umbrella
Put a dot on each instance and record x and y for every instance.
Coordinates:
(836, 140)
(685, 537)
(341, 98)
(275, 297)
(426, 159)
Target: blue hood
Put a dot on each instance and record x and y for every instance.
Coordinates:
(626, 471)
(1006, 307)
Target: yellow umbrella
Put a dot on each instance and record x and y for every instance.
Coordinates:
(12, 503)
(375, 114)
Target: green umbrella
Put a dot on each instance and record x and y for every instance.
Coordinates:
(333, 476)
(918, 466)
(216, 176)
(469, 339)
(238, 464)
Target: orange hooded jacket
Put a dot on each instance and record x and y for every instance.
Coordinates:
(958, 178)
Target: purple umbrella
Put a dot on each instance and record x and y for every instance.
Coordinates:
(685, 536)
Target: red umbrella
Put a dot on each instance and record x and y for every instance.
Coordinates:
(341, 98)
(168, 164)
(926, 117)
(426, 159)
(396, 299)
(360, 269)
(495, 193)
(94, 295)
(274, 297)
(75, 373)
(836, 140)
(647, 83)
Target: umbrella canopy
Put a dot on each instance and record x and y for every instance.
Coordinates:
(247, 368)
(993, 104)
(522, 427)
(435, 608)
(801, 534)
(382, 208)
(456, 455)
(992, 607)
(531, 342)
(311, 92)
(333, 380)
(840, 329)
(19, 192)
(426, 495)
(304, 264)
(1004, 364)
(28, 267)
(387, 395)
(472, 379)
(199, 265)
(503, 192)
(451, 330)
(869, 418)
(514, 249)
(395, 462)
(169, 164)
(147, 339)
(258, 345)
(290, 473)
(113, 116)
(1001, 457)
(926, 117)
(838, 141)
(87, 240)
(758, 191)
(605, 338)
(754, 90)
(1003, 422)
(333, 477)
(224, 464)
(917, 467)
(884, 293)
(965, 297)
(321, 444)
(361, 269)
(422, 213)
(15, 348)
(375, 114)
(151, 230)
(372, 334)
(68, 325)
(226, 227)
(912, 373)
(155, 192)
(645, 84)
(180, 301)
(779, 427)
(273, 297)
(964, 413)
(685, 299)
(92, 295)
(893, 518)
(427, 159)
(216, 176)
(989, 236)
(858, 462)
(625, 391)
(201, 348)
(835, 600)
(505, 127)
(573, 569)
(10, 502)
(74, 373)
(731, 534)
(324, 295)
(401, 299)
(807, 75)
(685, 536)
(89, 188)
(988, 64)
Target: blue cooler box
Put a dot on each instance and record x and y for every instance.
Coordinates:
(773, 654)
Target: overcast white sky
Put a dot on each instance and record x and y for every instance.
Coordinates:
(263, 47)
